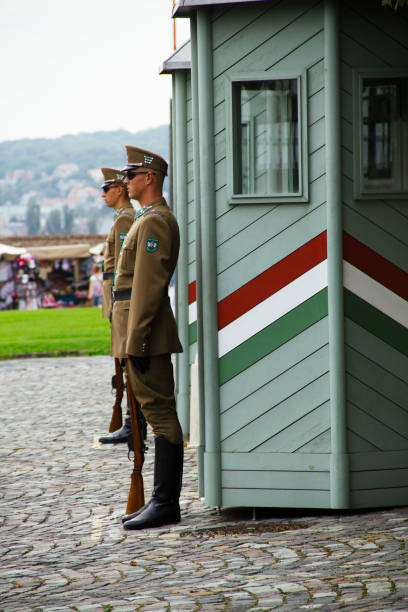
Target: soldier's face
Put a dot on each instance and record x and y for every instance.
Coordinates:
(111, 196)
(136, 185)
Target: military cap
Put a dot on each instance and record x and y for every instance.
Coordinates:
(141, 158)
(110, 175)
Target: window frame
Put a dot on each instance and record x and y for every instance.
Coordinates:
(359, 74)
(231, 80)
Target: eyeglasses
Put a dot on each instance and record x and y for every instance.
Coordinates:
(130, 174)
(106, 188)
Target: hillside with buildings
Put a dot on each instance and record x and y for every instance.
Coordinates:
(52, 186)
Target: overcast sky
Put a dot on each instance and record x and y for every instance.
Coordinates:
(70, 66)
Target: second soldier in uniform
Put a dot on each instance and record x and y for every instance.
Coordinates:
(115, 194)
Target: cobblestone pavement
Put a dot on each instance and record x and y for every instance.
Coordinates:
(63, 546)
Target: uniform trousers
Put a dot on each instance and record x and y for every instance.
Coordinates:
(154, 392)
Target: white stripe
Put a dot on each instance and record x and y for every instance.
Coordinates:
(375, 294)
(192, 312)
(272, 308)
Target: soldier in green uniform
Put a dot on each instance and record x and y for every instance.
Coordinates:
(144, 331)
(115, 194)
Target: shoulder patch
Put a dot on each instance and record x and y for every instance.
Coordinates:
(122, 237)
(152, 244)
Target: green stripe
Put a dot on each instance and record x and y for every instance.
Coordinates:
(273, 336)
(376, 322)
(192, 333)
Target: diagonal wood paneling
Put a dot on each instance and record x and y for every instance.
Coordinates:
(274, 418)
(261, 231)
(284, 357)
(377, 406)
(377, 350)
(378, 41)
(380, 379)
(299, 433)
(264, 37)
(373, 431)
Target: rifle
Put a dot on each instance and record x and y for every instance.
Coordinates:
(117, 383)
(136, 493)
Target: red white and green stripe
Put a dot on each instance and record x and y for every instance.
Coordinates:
(272, 308)
(291, 295)
(376, 293)
(192, 313)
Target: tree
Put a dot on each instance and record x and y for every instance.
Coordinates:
(33, 222)
(53, 224)
(395, 4)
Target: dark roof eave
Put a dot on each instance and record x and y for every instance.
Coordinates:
(179, 60)
(174, 67)
(184, 8)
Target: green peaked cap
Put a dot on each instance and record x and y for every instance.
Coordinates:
(110, 175)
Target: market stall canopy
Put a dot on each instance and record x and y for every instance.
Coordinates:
(63, 251)
(59, 246)
(10, 253)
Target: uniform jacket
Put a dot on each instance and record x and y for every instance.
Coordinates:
(145, 324)
(120, 226)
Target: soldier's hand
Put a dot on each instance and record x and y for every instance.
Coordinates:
(142, 364)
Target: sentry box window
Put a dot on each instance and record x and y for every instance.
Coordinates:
(267, 140)
(382, 147)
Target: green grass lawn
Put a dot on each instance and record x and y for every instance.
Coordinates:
(59, 331)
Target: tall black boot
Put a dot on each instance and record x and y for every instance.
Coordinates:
(120, 436)
(163, 508)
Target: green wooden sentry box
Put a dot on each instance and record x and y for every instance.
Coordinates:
(300, 292)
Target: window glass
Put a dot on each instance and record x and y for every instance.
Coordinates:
(383, 128)
(267, 140)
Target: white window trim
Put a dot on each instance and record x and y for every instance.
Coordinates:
(282, 198)
(359, 74)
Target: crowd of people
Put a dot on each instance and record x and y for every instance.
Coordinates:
(28, 283)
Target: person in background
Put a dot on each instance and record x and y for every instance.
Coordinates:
(95, 286)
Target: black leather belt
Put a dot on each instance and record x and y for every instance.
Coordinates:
(123, 294)
(107, 275)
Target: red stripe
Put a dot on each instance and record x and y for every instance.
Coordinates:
(269, 282)
(192, 292)
(376, 266)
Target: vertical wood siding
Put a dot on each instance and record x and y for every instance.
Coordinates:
(376, 281)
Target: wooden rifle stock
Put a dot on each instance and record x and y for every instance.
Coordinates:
(116, 420)
(136, 493)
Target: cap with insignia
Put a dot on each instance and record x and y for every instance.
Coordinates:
(141, 158)
(110, 175)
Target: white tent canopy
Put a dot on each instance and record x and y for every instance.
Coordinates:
(10, 253)
(70, 251)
